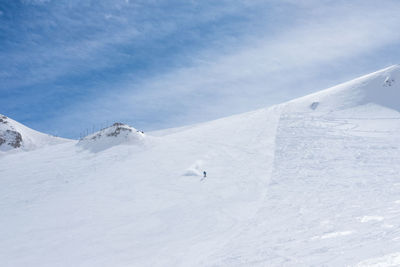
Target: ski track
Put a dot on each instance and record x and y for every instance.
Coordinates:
(296, 226)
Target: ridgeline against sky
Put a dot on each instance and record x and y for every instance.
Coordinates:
(67, 65)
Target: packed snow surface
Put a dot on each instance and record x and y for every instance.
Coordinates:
(311, 182)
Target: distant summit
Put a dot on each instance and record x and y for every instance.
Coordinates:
(116, 134)
(14, 135)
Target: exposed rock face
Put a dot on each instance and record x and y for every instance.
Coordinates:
(3, 119)
(8, 135)
(114, 130)
(14, 138)
(119, 127)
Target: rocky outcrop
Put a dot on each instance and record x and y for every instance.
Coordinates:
(116, 134)
(16, 136)
(9, 137)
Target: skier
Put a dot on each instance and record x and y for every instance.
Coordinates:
(204, 174)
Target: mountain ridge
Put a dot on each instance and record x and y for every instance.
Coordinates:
(346, 95)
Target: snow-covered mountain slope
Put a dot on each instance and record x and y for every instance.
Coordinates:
(14, 135)
(116, 134)
(380, 88)
(311, 182)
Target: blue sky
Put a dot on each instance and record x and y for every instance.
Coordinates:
(67, 65)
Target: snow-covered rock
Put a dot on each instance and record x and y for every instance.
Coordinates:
(14, 135)
(116, 134)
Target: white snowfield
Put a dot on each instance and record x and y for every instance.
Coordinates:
(311, 182)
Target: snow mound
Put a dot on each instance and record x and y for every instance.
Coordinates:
(14, 135)
(195, 169)
(116, 134)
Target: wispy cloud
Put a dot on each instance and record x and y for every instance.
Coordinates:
(153, 67)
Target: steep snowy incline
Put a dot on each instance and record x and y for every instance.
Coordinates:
(381, 88)
(334, 197)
